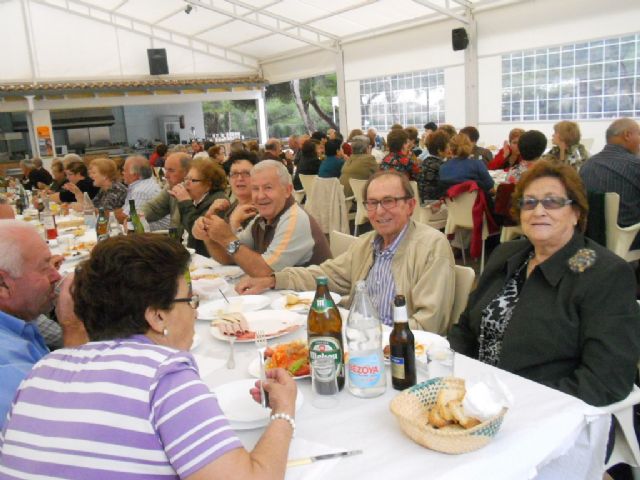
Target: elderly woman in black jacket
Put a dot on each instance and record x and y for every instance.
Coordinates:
(556, 308)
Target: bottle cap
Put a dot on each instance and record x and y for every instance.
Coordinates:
(322, 281)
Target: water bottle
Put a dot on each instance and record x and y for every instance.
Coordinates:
(366, 372)
(89, 212)
(114, 227)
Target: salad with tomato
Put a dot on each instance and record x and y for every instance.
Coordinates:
(292, 356)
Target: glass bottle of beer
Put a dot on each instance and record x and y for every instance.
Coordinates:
(402, 347)
(134, 225)
(102, 225)
(324, 327)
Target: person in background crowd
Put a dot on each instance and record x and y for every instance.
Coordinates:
(59, 178)
(27, 289)
(566, 145)
(478, 153)
(331, 166)
(236, 146)
(79, 183)
(450, 129)
(34, 173)
(298, 153)
(399, 256)
(413, 150)
(273, 151)
(461, 168)
(617, 169)
(429, 184)
(176, 167)
(508, 155)
(149, 409)
(531, 146)
(346, 147)
(104, 173)
(398, 158)
(360, 165)
(429, 128)
(158, 156)
(281, 235)
(377, 141)
(556, 308)
(217, 154)
(142, 188)
(309, 161)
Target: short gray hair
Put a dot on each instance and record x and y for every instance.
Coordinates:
(204, 155)
(359, 144)
(140, 166)
(281, 170)
(27, 163)
(37, 162)
(70, 158)
(619, 126)
(12, 234)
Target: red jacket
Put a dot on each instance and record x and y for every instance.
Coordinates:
(479, 207)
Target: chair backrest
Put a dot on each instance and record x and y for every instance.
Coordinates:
(416, 212)
(307, 183)
(619, 239)
(587, 143)
(459, 211)
(340, 242)
(326, 203)
(464, 281)
(358, 192)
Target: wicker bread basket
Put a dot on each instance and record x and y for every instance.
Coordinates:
(412, 406)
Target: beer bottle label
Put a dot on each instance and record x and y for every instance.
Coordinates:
(397, 368)
(326, 347)
(321, 305)
(365, 371)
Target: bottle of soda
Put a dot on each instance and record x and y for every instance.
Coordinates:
(366, 372)
(324, 327)
(102, 225)
(49, 222)
(402, 346)
(134, 225)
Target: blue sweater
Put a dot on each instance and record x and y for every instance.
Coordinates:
(458, 170)
(331, 166)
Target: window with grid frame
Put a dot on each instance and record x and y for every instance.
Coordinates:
(590, 80)
(410, 99)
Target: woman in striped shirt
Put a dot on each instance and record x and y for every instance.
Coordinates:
(130, 404)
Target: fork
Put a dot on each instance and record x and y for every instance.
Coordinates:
(231, 363)
(261, 344)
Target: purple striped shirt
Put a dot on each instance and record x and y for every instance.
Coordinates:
(123, 409)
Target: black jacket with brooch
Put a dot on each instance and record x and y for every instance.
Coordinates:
(578, 332)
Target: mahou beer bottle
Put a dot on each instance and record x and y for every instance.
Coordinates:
(324, 327)
(102, 225)
(401, 344)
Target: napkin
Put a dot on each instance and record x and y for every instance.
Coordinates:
(485, 400)
(301, 448)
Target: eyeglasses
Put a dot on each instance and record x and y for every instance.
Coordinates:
(192, 180)
(240, 174)
(549, 203)
(387, 203)
(193, 301)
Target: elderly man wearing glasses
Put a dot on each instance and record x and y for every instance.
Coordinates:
(399, 257)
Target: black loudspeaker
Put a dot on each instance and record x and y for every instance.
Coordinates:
(459, 39)
(157, 61)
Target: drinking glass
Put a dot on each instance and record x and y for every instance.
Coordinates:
(324, 382)
(440, 362)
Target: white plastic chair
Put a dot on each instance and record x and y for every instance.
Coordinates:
(339, 242)
(509, 233)
(625, 448)
(416, 195)
(437, 220)
(307, 183)
(357, 186)
(619, 239)
(464, 281)
(460, 216)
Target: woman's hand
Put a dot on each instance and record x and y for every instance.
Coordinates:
(506, 149)
(219, 205)
(240, 214)
(282, 391)
(72, 187)
(180, 193)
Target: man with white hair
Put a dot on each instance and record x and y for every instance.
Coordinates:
(34, 172)
(282, 234)
(142, 188)
(28, 281)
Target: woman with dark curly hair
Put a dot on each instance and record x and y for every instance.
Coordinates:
(131, 403)
(204, 183)
(556, 307)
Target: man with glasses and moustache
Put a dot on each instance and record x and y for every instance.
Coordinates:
(399, 257)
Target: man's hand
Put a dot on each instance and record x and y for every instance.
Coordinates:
(180, 193)
(255, 285)
(240, 214)
(120, 216)
(218, 230)
(199, 230)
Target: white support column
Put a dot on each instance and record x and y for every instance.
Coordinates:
(262, 119)
(342, 97)
(472, 101)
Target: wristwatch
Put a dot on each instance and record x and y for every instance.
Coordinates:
(233, 247)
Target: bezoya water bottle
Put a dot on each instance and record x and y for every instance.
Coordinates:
(366, 372)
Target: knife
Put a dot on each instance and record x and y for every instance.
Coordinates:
(308, 460)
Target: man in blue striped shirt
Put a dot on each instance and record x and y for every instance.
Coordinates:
(617, 169)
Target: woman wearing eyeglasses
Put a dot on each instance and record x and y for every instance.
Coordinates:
(131, 403)
(204, 183)
(556, 308)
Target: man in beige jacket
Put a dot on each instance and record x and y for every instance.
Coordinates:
(399, 257)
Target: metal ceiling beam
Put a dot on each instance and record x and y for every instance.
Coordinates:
(119, 5)
(213, 27)
(443, 10)
(315, 19)
(278, 29)
(150, 30)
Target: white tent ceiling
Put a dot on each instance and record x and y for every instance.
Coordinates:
(216, 37)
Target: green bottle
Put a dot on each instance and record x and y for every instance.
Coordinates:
(134, 225)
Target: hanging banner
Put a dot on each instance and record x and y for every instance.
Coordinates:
(45, 145)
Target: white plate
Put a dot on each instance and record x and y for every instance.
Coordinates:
(427, 339)
(278, 303)
(239, 407)
(243, 303)
(275, 323)
(254, 369)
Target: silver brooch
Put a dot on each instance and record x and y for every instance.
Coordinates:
(583, 259)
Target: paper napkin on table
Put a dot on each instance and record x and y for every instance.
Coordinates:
(301, 448)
